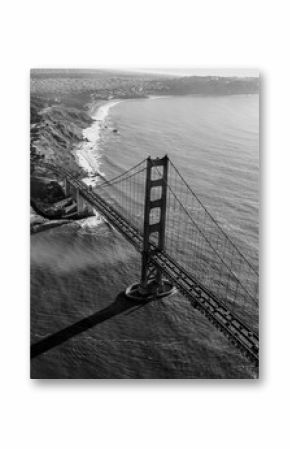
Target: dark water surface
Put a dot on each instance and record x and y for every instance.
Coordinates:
(82, 326)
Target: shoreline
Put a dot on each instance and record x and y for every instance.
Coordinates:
(88, 154)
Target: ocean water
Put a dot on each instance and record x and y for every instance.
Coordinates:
(214, 141)
(78, 271)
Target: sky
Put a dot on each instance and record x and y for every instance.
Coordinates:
(178, 71)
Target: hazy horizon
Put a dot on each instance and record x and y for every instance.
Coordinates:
(239, 72)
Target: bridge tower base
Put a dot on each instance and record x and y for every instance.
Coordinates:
(152, 284)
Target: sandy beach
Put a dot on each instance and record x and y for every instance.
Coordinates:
(88, 154)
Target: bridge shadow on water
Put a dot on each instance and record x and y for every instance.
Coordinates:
(120, 305)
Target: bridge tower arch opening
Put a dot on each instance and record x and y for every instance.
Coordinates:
(152, 284)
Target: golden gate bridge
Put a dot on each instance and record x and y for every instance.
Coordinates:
(182, 245)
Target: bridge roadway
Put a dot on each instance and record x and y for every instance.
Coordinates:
(200, 297)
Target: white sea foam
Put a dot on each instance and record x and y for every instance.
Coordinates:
(91, 222)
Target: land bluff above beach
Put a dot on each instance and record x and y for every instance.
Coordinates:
(66, 135)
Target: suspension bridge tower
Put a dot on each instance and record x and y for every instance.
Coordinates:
(152, 284)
